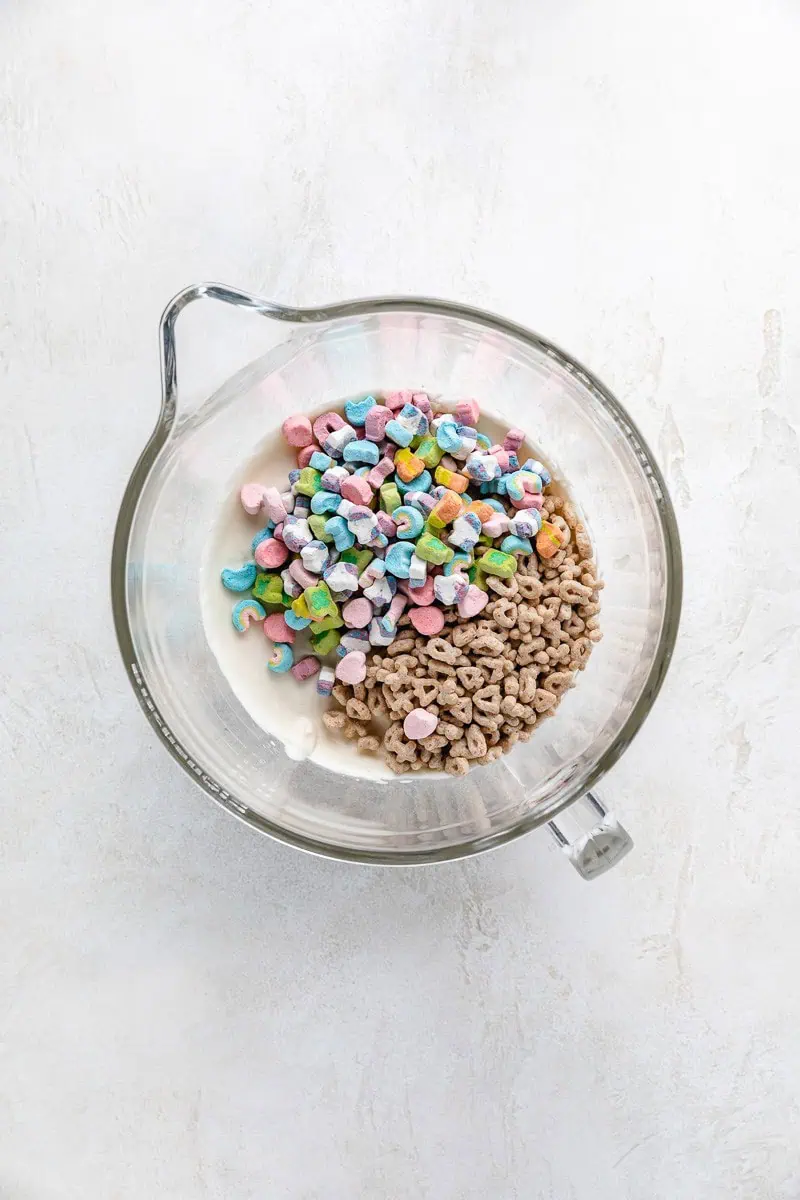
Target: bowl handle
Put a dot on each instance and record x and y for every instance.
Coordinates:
(590, 836)
(227, 295)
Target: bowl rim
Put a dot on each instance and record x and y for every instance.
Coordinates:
(361, 308)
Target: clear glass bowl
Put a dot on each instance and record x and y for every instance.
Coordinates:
(184, 475)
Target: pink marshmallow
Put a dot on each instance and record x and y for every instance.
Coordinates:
(270, 554)
(419, 724)
(513, 440)
(428, 621)
(356, 489)
(297, 431)
(299, 573)
(306, 668)
(397, 608)
(473, 602)
(306, 454)
(497, 524)
(326, 424)
(357, 613)
(252, 497)
(380, 473)
(275, 505)
(419, 595)
(422, 401)
(468, 412)
(386, 524)
(529, 500)
(276, 629)
(376, 421)
(352, 668)
(396, 400)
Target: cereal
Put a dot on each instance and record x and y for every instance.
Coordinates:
(395, 505)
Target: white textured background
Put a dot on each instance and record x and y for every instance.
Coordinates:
(188, 1011)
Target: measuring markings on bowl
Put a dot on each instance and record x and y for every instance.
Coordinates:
(169, 736)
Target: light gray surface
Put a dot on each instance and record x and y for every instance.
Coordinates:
(189, 1011)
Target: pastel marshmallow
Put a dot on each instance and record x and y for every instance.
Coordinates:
(419, 724)
(341, 577)
(277, 630)
(449, 589)
(428, 621)
(376, 421)
(336, 442)
(380, 473)
(300, 573)
(252, 497)
(352, 668)
(357, 613)
(297, 431)
(306, 668)
(473, 602)
(270, 554)
(357, 411)
(356, 489)
(315, 557)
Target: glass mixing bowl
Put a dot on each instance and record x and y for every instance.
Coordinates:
(185, 474)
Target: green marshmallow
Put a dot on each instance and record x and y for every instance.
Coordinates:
(320, 602)
(325, 642)
(429, 451)
(496, 562)
(333, 622)
(359, 558)
(433, 550)
(268, 589)
(316, 523)
(309, 483)
(390, 497)
(474, 576)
